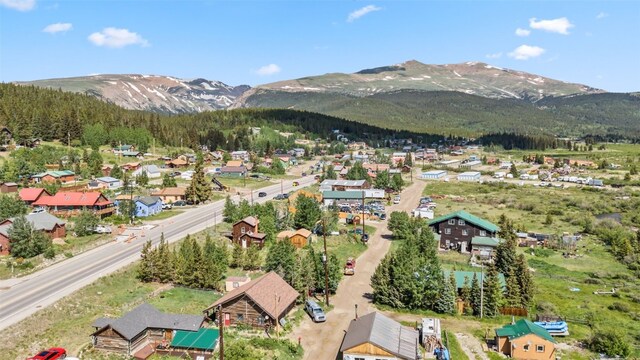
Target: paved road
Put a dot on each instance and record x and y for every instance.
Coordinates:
(43, 288)
(323, 340)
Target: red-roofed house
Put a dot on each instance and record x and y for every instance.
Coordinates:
(29, 195)
(71, 203)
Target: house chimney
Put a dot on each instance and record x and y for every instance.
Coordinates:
(513, 319)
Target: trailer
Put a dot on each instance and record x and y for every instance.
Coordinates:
(430, 334)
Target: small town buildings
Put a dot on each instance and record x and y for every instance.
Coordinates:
(259, 303)
(148, 206)
(332, 197)
(457, 229)
(342, 185)
(170, 195)
(399, 157)
(376, 168)
(233, 282)
(47, 223)
(70, 203)
(233, 171)
(122, 148)
(240, 155)
(448, 163)
(108, 182)
(297, 152)
(30, 195)
(132, 166)
(141, 330)
(153, 171)
(8, 187)
(434, 174)
(471, 163)
(106, 170)
(245, 233)
(483, 248)
(524, 340)
(299, 238)
(176, 163)
(63, 176)
(469, 176)
(132, 153)
(375, 336)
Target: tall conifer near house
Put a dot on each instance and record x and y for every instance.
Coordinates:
(200, 188)
(525, 280)
(493, 295)
(476, 293)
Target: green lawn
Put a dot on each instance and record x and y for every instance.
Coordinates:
(455, 351)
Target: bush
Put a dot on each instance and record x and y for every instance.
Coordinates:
(609, 342)
(542, 252)
(546, 308)
(618, 306)
(593, 281)
(49, 253)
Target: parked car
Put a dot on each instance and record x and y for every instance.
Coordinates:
(365, 238)
(295, 183)
(350, 266)
(51, 354)
(317, 177)
(396, 200)
(180, 203)
(175, 173)
(102, 229)
(304, 174)
(315, 311)
(38, 210)
(262, 194)
(279, 197)
(167, 206)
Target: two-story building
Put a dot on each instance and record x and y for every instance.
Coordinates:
(457, 230)
(245, 233)
(70, 203)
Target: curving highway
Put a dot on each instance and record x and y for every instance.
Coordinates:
(31, 293)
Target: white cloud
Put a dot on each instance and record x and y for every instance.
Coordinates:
(20, 5)
(559, 25)
(357, 14)
(57, 27)
(525, 52)
(601, 15)
(117, 38)
(268, 70)
(494, 56)
(522, 32)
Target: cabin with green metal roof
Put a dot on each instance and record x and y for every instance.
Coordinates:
(62, 176)
(525, 340)
(457, 230)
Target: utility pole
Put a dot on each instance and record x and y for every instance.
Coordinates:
(325, 260)
(277, 320)
(481, 289)
(363, 229)
(221, 325)
(251, 197)
(281, 187)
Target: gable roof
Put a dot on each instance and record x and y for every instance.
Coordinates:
(55, 174)
(521, 328)
(384, 333)
(485, 241)
(73, 198)
(31, 194)
(489, 226)
(107, 179)
(146, 316)
(233, 169)
(170, 191)
(148, 200)
(234, 163)
(252, 221)
(263, 292)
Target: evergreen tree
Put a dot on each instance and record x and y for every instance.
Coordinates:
(200, 189)
(506, 256)
(116, 172)
(85, 223)
(381, 281)
(330, 173)
(446, 303)
(252, 258)
(525, 280)
(142, 179)
(11, 206)
(408, 160)
(307, 212)
(465, 294)
(230, 212)
(493, 296)
(164, 262)
(396, 182)
(357, 172)
(514, 171)
(382, 180)
(189, 271)
(476, 294)
(237, 257)
(212, 269)
(513, 296)
(168, 181)
(281, 258)
(334, 270)
(244, 209)
(95, 163)
(25, 240)
(145, 269)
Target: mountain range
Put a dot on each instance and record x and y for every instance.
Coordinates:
(464, 99)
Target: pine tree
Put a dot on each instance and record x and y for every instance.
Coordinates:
(252, 258)
(408, 160)
(446, 303)
(116, 172)
(330, 173)
(513, 296)
(307, 212)
(168, 181)
(200, 189)
(164, 262)
(25, 240)
(506, 255)
(237, 257)
(145, 269)
(476, 293)
(493, 296)
(281, 258)
(381, 282)
(396, 182)
(230, 212)
(525, 281)
(465, 294)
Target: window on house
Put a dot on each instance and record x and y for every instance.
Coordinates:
(240, 317)
(460, 222)
(260, 320)
(483, 233)
(236, 284)
(539, 348)
(452, 221)
(447, 231)
(243, 230)
(526, 347)
(465, 232)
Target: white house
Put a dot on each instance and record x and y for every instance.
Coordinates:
(108, 182)
(240, 155)
(469, 176)
(152, 171)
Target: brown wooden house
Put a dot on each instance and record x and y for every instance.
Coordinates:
(8, 187)
(70, 203)
(139, 331)
(245, 233)
(258, 303)
(456, 230)
(170, 194)
(47, 223)
(525, 340)
(299, 238)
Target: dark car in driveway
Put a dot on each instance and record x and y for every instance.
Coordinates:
(180, 203)
(262, 194)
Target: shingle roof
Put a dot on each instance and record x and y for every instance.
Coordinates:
(31, 194)
(384, 333)
(468, 218)
(249, 220)
(146, 316)
(170, 191)
(263, 291)
(148, 200)
(521, 328)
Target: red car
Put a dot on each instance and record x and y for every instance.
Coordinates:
(51, 354)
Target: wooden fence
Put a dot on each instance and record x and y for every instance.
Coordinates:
(516, 311)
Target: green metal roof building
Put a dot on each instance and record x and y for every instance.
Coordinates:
(461, 275)
(523, 327)
(470, 218)
(202, 340)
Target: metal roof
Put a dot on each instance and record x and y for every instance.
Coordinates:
(461, 275)
(203, 339)
(523, 327)
(384, 333)
(343, 195)
(468, 218)
(343, 183)
(485, 241)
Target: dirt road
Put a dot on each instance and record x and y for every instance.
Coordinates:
(322, 341)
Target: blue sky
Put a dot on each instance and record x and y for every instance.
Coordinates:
(252, 42)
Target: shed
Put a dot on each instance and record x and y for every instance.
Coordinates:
(434, 174)
(469, 176)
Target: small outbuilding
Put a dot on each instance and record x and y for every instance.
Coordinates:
(434, 174)
(469, 176)
(525, 340)
(299, 238)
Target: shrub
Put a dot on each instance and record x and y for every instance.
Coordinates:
(542, 252)
(546, 308)
(609, 342)
(593, 281)
(618, 306)
(49, 253)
